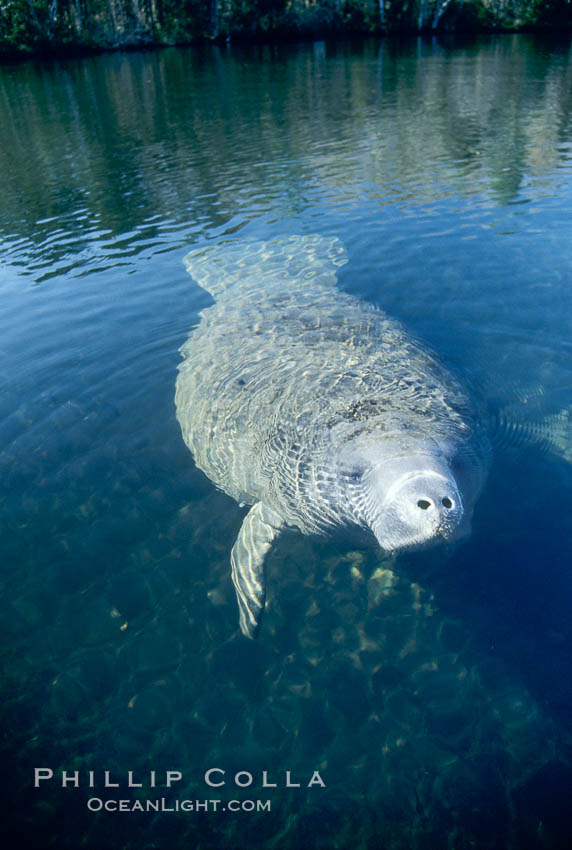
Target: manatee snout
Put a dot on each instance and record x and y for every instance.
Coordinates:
(413, 501)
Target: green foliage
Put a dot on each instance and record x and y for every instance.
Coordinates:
(401, 16)
(360, 17)
(256, 16)
(28, 25)
(17, 26)
(553, 13)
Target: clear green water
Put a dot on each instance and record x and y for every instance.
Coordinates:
(433, 693)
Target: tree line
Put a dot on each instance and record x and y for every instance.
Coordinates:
(57, 25)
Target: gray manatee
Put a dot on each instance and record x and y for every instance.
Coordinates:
(318, 410)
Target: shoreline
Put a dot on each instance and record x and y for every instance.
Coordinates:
(60, 31)
(51, 51)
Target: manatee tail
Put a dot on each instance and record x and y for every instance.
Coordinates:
(291, 260)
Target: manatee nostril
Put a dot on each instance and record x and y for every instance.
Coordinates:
(447, 503)
(423, 504)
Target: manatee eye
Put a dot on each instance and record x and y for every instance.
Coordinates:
(355, 475)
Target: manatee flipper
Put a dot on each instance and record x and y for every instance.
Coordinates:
(553, 433)
(534, 418)
(260, 528)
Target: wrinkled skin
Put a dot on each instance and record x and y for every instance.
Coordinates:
(320, 411)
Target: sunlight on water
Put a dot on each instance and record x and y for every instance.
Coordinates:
(431, 691)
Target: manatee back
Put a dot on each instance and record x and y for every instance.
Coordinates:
(282, 359)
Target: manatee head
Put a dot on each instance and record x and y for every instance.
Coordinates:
(407, 489)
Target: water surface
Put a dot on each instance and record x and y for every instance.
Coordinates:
(433, 692)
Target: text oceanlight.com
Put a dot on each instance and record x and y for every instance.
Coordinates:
(96, 804)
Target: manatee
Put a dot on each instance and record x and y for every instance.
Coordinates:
(319, 411)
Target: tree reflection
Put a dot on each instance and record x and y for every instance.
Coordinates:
(191, 136)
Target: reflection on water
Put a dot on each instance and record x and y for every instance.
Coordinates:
(431, 692)
(161, 142)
